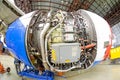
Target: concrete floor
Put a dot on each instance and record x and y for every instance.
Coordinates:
(103, 71)
(8, 61)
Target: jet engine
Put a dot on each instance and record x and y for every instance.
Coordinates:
(58, 40)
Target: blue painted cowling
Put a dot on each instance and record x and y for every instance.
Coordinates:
(15, 38)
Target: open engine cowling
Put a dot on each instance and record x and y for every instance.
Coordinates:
(59, 41)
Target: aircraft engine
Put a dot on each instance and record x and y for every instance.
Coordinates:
(58, 40)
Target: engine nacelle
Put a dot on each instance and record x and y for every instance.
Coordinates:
(59, 41)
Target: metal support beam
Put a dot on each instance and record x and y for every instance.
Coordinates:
(86, 4)
(49, 2)
(24, 5)
(113, 15)
(74, 5)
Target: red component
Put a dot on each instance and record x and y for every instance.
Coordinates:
(88, 46)
(107, 52)
(2, 70)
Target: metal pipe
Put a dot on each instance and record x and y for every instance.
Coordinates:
(46, 39)
(42, 36)
(47, 36)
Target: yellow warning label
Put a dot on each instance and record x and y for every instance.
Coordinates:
(67, 60)
(53, 55)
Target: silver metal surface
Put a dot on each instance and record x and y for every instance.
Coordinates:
(42, 40)
(66, 52)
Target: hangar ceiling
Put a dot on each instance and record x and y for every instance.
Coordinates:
(108, 9)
